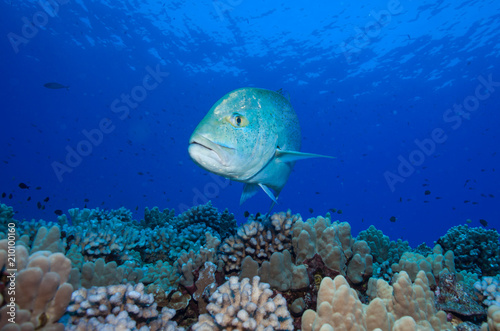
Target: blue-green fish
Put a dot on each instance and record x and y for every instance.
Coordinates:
(250, 135)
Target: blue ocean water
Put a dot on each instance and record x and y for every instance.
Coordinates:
(405, 95)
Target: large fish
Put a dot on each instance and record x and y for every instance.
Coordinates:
(250, 135)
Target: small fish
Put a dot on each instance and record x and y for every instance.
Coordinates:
(85, 200)
(4, 195)
(55, 86)
(39, 205)
(466, 201)
(10, 196)
(333, 210)
(250, 135)
(246, 213)
(29, 198)
(427, 192)
(46, 199)
(468, 220)
(339, 211)
(38, 188)
(58, 212)
(311, 210)
(491, 195)
(483, 222)
(23, 186)
(392, 219)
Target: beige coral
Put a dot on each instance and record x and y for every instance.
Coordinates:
(279, 271)
(434, 264)
(41, 289)
(404, 306)
(493, 323)
(335, 245)
(248, 305)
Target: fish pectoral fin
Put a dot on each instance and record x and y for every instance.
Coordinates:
(269, 193)
(249, 190)
(292, 156)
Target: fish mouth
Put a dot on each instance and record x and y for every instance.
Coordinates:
(208, 153)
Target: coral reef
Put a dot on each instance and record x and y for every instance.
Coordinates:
(170, 272)
(476, 249)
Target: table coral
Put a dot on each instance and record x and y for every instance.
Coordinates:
(245, 305)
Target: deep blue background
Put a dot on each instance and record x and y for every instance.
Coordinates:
(366, 106)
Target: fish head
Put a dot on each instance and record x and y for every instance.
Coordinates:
(236, 139)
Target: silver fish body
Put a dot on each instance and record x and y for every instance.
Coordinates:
(250, 135)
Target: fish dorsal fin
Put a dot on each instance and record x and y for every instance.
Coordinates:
(284, 93)
(268, 192)
(292, 156)
(249, 190)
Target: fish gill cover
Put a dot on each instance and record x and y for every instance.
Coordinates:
(99, 102)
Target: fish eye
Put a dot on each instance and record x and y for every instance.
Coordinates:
(237, 120)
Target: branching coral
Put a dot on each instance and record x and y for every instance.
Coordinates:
(123, 307)
(248, 305)
(258, 240)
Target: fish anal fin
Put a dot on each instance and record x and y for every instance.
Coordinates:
(249, 190)
(269, 192)
(292, 156)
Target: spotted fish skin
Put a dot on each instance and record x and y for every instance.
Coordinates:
(250, 135)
